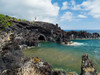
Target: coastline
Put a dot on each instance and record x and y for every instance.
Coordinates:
(35, 64)
(87, 39)
(27, 33)
(62, 55)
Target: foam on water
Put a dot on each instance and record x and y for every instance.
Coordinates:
(75, 44)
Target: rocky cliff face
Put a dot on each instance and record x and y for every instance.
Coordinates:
(10, 56)
(30, 33)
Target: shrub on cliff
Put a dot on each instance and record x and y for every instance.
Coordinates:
(4, 21)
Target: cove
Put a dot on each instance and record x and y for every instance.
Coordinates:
(65, 57)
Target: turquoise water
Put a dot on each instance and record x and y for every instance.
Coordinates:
(66, 57)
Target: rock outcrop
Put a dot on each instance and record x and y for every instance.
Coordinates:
(31, 33)
(87, 67)
(82, 35)
(10, 56)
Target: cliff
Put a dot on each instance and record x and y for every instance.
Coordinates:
(31, 33)
(16, 34)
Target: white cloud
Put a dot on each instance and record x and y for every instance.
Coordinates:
(74, 6)
(44, 10)
(67, 16)
(71, 5)
(65, 5)
(73, 2)
(82, 16)
(93, 7)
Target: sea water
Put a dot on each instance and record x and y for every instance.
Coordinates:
(67, 57)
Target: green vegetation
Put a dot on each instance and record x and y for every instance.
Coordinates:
(4, 21)
(23, 20)
(18, 19)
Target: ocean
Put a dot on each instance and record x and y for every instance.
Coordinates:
(68, 57)
(90, 31)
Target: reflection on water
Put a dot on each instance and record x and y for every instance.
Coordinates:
(63, 57)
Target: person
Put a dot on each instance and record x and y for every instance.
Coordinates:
(35, 18)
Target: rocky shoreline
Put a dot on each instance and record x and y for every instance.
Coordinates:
(13, 62)
(31, 33)
(81, 35)
(24, 34)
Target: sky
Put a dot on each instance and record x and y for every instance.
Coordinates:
(68, 14)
